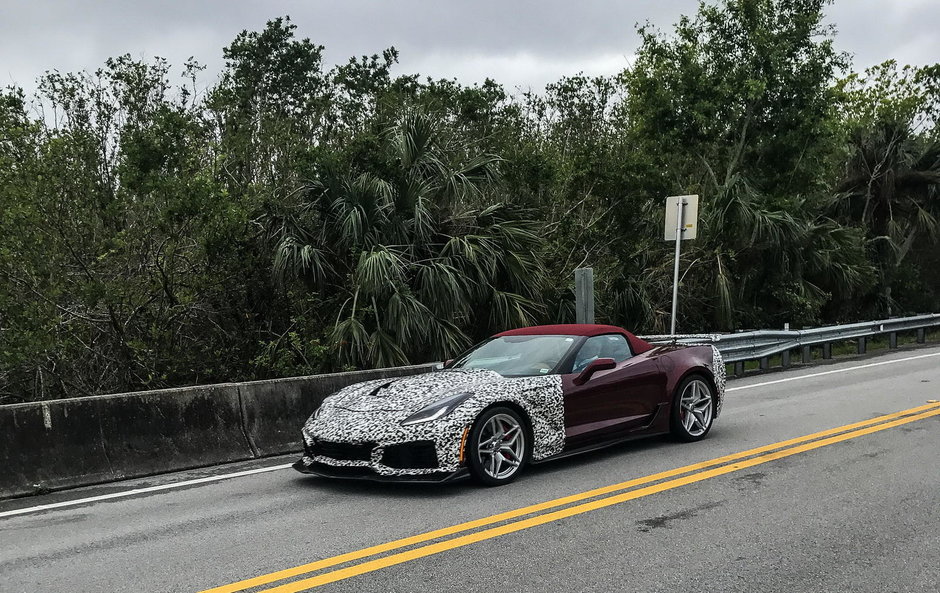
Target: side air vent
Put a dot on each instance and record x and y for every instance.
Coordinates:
(414, 455)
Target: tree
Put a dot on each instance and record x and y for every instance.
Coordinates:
(736, 106)
(28, 312)
(743, 88)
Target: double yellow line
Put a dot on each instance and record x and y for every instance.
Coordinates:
(559, 508)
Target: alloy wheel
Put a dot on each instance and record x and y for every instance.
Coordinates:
(501, 446)
(696, 408)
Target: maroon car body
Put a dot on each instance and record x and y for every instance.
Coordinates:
(634, 398)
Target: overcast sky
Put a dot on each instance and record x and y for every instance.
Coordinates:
(520, 43)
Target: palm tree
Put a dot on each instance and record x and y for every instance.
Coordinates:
(890, 188)
(420, 256)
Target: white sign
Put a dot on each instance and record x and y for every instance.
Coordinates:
(688, 206)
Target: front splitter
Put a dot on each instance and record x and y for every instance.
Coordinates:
(364, 473)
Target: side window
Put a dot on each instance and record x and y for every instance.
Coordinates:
(608, 346)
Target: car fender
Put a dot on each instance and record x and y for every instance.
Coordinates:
(704, 359)
(540, 398)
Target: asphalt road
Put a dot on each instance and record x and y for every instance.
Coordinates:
(855, 509)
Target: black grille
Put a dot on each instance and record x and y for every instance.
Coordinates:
(343, 451)
(414, 455)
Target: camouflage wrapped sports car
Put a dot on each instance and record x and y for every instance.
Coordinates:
(523, 396)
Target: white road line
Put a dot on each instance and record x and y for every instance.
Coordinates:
(69, 503)
(833, 372)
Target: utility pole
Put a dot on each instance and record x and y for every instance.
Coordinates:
(584, 295)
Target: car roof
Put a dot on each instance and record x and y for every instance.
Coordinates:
(579, 329)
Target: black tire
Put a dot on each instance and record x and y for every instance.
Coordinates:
(693, 409)
(482, 462)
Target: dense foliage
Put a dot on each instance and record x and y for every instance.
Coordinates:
(294, 219)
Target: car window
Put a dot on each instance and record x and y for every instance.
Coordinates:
(607, 346)
(518, 356)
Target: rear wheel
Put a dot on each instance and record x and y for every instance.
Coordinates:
(693, 409)
(500, 446)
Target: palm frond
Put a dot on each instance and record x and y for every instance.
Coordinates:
(293, 258)
(379, 270)
(350, 340)
(442, 287)
(384, 350)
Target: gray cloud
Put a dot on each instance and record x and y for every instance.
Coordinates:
(521, 43)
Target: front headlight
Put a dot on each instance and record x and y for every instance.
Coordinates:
(308, 438)
(438, 409)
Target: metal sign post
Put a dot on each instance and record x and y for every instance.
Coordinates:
(584, 295)
(682, 211)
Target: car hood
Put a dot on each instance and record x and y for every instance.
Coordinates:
(411, 393)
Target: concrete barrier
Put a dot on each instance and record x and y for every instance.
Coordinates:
(159, 431)
(51, 445)
(82, 441)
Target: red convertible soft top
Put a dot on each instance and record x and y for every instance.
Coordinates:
(579, 329)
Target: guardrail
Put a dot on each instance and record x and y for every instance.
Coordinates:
(738, 348)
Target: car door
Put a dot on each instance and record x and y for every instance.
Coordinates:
(612, 402)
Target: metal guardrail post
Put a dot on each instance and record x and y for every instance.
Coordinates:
(921, 335)
(862, 343)
(785, 359)
(827, 351)
(738, 369)
(807, 355)
(893, 340)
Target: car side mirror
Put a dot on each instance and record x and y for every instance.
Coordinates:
(443, 365)
(598, 364)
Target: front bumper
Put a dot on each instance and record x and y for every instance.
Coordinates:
(416, 460)
(340, 443)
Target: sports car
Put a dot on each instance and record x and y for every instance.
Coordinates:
(523, 396)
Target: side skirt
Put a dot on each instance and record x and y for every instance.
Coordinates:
(630, 436)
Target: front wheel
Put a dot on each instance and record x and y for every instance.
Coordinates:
(693, 409)
(499, 446)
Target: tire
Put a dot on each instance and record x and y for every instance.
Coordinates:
(693, 409)
(498, 462)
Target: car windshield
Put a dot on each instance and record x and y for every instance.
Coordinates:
(518, 356)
